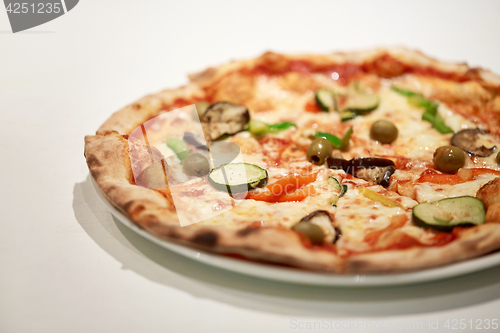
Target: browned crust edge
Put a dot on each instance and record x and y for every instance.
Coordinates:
(106, 155)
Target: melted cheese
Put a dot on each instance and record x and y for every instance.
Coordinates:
(427, 192)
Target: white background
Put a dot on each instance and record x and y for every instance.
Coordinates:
(66, 266)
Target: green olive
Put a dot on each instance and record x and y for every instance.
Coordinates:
(383, 131)
(196, 165)
(311, 231)
(201, 107)
(319, 150)
(498, 158)
(449, 158)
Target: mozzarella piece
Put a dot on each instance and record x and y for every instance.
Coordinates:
(426, 192)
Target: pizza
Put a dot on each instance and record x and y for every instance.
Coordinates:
(373, 161)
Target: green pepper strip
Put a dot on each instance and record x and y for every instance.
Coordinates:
(430, 107)
(179, 147)
(281, 126)
(336, 142)
(257, 127)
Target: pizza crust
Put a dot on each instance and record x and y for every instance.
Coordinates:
(107, 157)
(472, 243)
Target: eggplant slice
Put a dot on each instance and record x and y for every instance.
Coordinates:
(224, 118)
(466, 140)
(373, 169)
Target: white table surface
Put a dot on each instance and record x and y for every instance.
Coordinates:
(66, 266)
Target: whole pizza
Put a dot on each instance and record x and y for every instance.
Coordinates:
(361, 162)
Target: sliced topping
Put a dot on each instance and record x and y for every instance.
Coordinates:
(224, 118)
(347, 115)
(497, 159)
(326, 99)
(449, 159)
(361, 103)
(334, 182)
(335, 141)
(430, 114)
(467, 140)
(309, 226)
(373, 169)
(444, 215)
(342, 188)
(462, 176)
(336, 163)
(383, 131)
(237, 177)
(319, 150)
(333, 200)
(293, 187)
(258, 128)
(372, 195)
(191, 139)
(377, 175)
(343, 191)
(356, 102)
(201, 107)
(196, 165)
(313, 232)
(179, 147)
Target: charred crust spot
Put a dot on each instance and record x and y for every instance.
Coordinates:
(93, 161)
(247, 231)
(358, 265)
(133, 211)
(207, 239)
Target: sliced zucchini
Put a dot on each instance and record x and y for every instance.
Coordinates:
(445, 214)
(347, 115)
(326, 99)
(360, 103)
(237, 177)
(342, 188)
(333, 200)
(343, 191)
(334, 182)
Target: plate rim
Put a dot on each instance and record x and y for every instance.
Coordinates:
(297, 276)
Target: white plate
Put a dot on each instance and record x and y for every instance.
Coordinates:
(291, 275)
